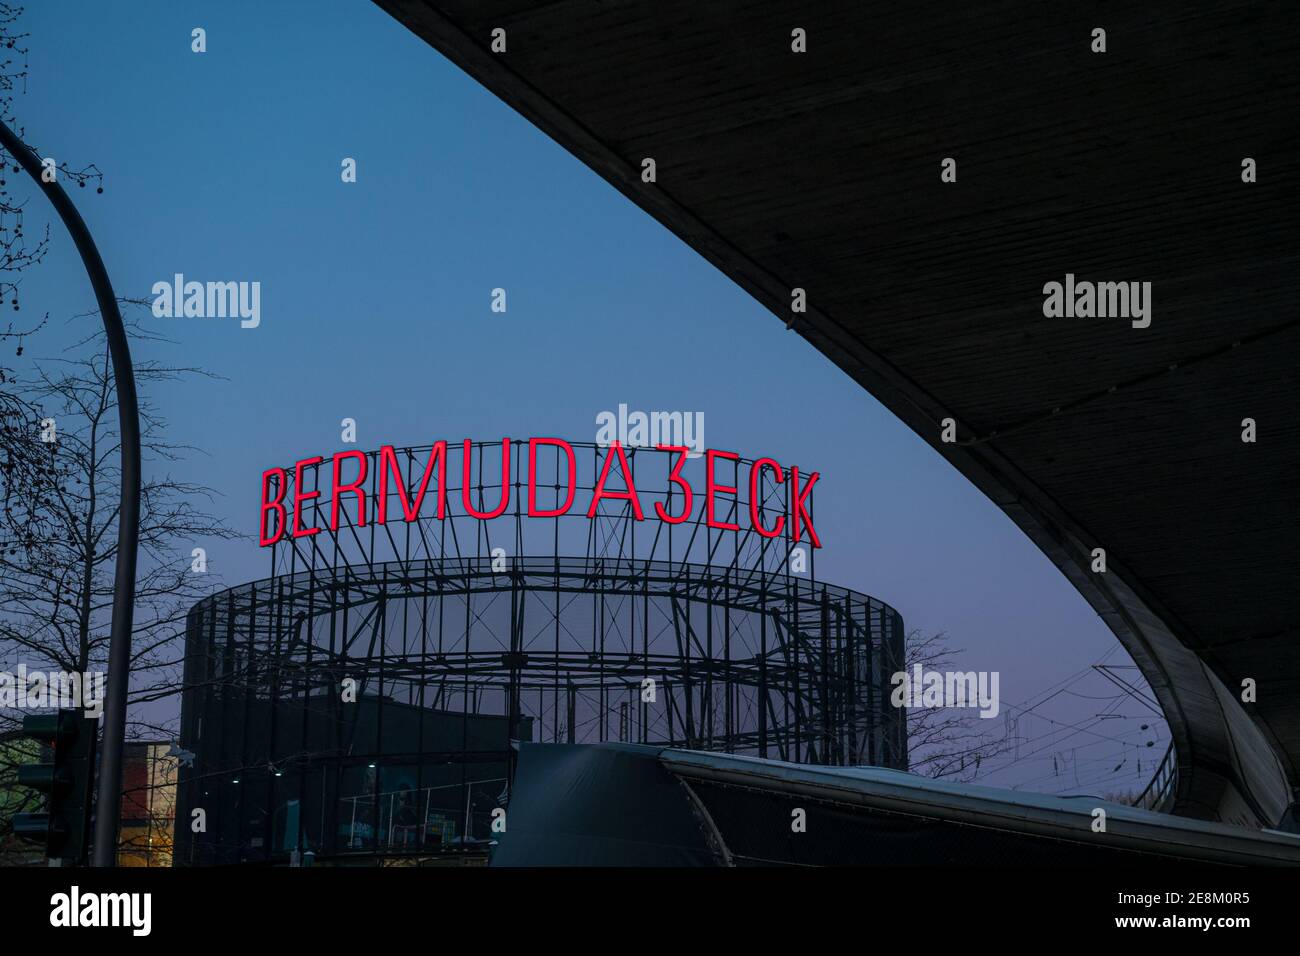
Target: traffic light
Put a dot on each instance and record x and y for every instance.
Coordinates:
(68, 783)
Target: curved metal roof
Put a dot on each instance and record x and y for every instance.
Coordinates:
(821, 171)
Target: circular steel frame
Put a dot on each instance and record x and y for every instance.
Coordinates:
(630, 641)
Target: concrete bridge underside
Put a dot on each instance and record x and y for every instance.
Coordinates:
(821, 170)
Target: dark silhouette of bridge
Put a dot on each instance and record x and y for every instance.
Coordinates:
(821, 171)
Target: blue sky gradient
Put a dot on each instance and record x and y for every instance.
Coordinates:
(375, 300)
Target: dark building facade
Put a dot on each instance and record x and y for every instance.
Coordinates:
(343, 781)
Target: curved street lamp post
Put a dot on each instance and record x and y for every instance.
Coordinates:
(108, 806)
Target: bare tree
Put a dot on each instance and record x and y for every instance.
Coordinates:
(28, 469)
(57, 611)
(56, 588)
(945, 742)
(23, 456)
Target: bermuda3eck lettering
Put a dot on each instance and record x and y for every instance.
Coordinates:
(283, 499)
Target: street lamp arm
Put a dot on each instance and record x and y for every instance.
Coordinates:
(108, 806)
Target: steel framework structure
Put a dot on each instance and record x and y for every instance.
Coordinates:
(627, 640)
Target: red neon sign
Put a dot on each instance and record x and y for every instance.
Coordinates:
(348, 472)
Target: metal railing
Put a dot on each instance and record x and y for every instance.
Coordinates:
(1159, 791)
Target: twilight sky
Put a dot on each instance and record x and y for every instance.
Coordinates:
(375, 305)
